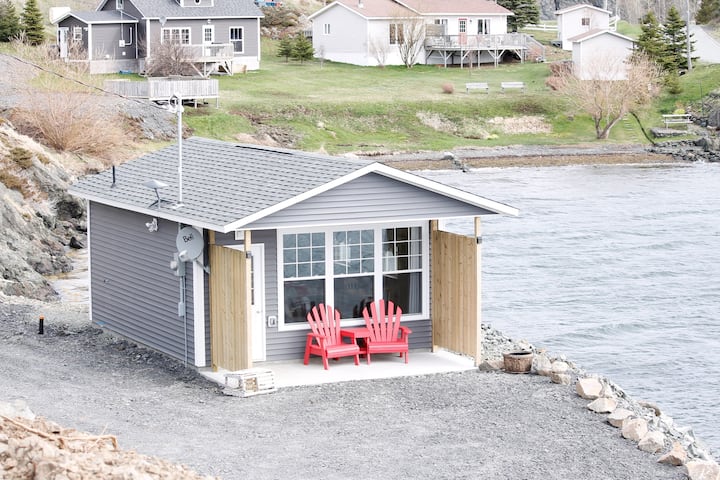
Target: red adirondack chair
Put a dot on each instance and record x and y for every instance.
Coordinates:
(324, 340)
(386, 335)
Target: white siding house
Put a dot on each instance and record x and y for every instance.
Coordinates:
(579, 19)
(363, 32)
(601, 55)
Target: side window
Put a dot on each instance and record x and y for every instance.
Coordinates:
(236, 38)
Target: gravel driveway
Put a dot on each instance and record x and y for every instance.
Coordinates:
(461, 425)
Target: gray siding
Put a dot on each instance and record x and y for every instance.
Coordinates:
(290, 345)
(134, 292)
(372, 198)
(222, 31)
(105, 41)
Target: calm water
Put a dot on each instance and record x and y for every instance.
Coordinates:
(618, 267)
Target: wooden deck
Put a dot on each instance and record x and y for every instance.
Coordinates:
(160, 89)
(469, 48)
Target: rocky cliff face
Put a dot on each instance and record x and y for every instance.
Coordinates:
(38, 220)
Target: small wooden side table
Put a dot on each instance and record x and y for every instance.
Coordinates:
(355, 334)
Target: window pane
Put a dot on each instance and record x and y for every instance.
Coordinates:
(304, 270)
(318, 239)
(300, 297)
(289, 241)
(289, 271)
(352, 294)
(318, 269)
(289, 256)
(405, 289)
(353, 266)
(368, 266)
(368, 251)
(318, 254)
(339, 237)
(368, 236)
(303, 240)
(303, 254)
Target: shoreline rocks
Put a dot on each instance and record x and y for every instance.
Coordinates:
(638, 421)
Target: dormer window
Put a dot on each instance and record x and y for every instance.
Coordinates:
(119, 4)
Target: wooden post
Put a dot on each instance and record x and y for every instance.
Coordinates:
(247, 244)
(478, 284)
(433, 229)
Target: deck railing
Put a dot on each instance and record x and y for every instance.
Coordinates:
(212, 52)
(163, 88)
(482, 42)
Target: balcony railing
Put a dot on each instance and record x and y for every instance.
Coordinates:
(482, 42)
(211, 52)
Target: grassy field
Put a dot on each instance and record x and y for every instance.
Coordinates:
(338, 108)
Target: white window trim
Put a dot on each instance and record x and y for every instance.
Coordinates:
(326, 29)
(377, 274)
(119, 4)
(164, 29)
(75, 36)
(232, 41)
(212, 34)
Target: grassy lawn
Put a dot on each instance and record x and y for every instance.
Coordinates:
(339, 108)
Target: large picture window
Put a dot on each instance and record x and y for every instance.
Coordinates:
(350, 268)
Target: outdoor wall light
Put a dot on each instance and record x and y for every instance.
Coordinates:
(152, 225)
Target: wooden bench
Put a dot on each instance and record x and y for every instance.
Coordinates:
(676, 119)
(518, 85)
(477, 86)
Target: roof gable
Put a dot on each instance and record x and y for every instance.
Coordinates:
(581, 6)
(98, 17)
(597, 32)
(172, 9)
(226, 185)
(409, 8)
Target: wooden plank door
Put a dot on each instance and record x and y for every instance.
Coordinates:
(230, 315)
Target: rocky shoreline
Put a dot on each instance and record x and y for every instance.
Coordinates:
(639, 421)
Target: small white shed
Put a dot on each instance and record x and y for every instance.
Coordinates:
(601, 55)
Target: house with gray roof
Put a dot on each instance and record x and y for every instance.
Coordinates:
(214, 252)
(218, 36)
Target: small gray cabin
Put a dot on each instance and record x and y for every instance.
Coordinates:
(217, 36)
(213, 252)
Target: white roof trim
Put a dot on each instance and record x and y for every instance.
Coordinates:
(333, 5)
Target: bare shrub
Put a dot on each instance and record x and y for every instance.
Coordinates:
(13, 182)
(69, 122)
(22, 157)
(613, 89)
(170, 58)
(379, 50)
(448, 88)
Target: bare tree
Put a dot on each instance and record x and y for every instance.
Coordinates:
(407, 31)
(379, 50)
(609, 89)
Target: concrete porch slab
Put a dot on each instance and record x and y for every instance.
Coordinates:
(294, 373)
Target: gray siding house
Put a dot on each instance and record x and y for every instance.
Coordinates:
(213, 253)
(219, 35)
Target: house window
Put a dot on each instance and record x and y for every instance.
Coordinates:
(119, 4)
(483, 26)
(180, 36)
(585, 21)
(326, 29)
(397, 35)
(236, 38)
(462, 25)
(303, 259)
(77, 34)
(441, 21)
(348, 269)
(208, 33)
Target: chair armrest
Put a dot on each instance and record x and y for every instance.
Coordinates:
(320, 338)
(404, 331)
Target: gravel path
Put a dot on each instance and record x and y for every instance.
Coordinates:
(460, 425)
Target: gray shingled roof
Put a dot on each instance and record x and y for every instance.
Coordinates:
(172, 9)
(222, 182)
(107, 16)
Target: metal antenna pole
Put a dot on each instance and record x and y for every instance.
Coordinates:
(178, 107)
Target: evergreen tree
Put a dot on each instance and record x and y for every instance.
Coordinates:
(32, 23)
(526, 12)
(9, 21)
(709, 11)
(302, 48)
(651, 42)
(285, 48)
(675, 34)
